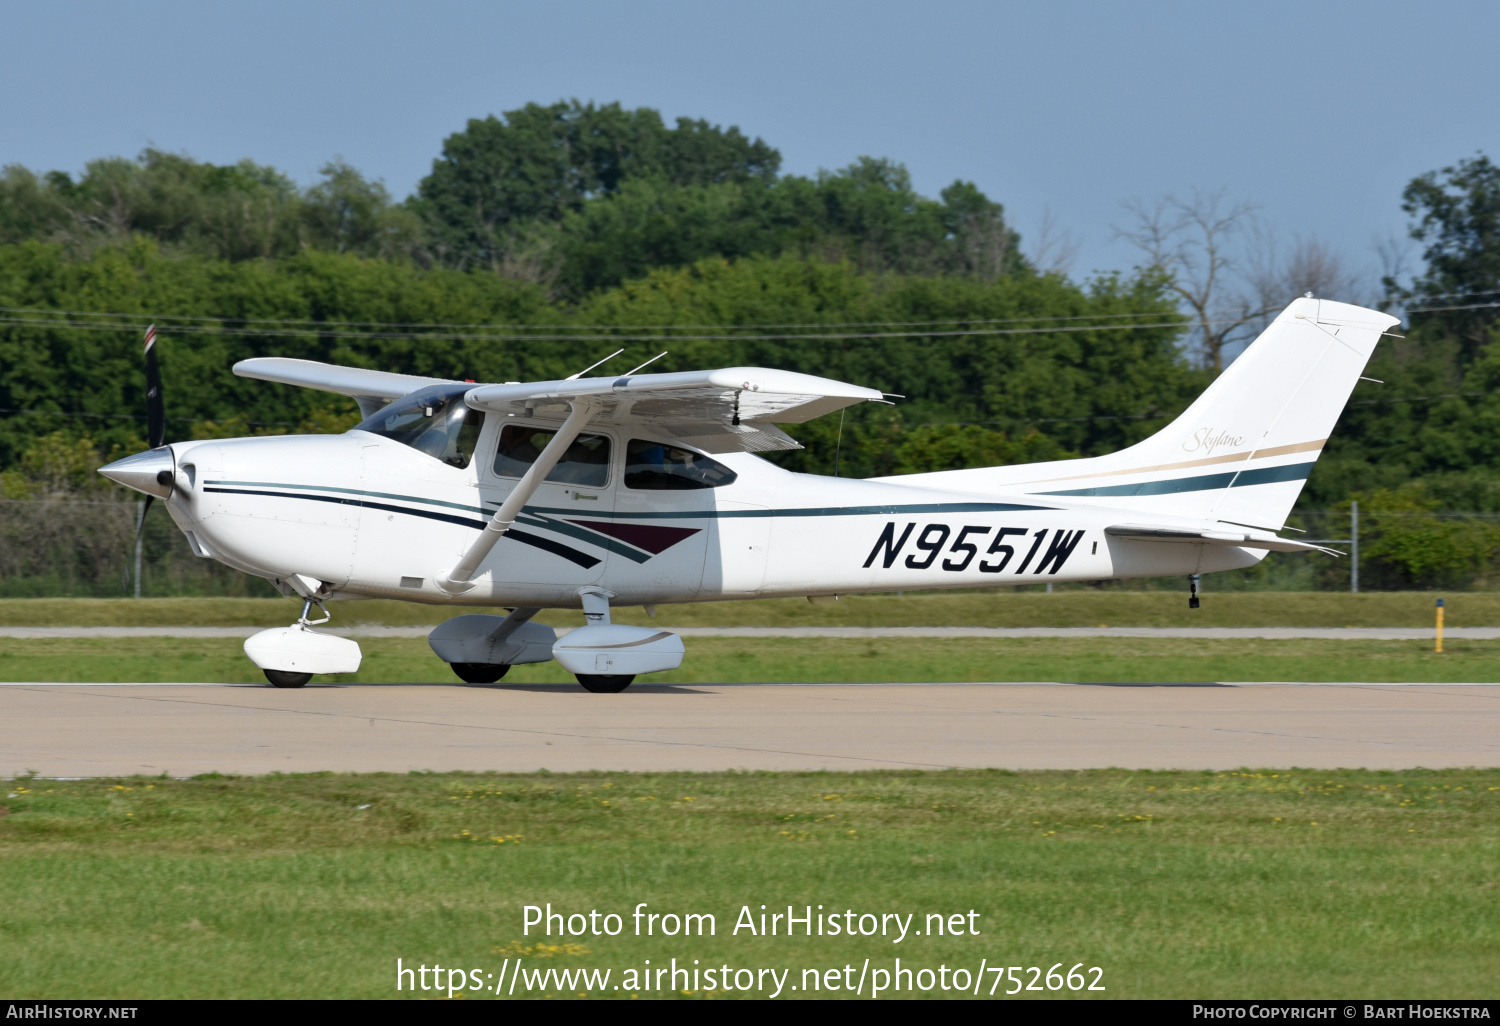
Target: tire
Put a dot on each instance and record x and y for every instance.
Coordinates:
(605, 683)
(480, 673)
(287, 679)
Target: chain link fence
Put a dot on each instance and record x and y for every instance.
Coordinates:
(67, 547)
(79, 547)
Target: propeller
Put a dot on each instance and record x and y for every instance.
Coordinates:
(156, 411)
(156, 421)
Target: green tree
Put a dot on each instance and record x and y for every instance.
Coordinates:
(1406, 543)
(347, 213)
(1457, 213)
(931, 447)
(538, 163)
(866, 213)
(234, 212)
(1434, 416)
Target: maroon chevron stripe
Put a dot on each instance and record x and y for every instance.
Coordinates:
(649, 537)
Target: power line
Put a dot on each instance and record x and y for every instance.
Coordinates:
(142, 416)
(1419, 398)
(1460, 295)
(454, 337)
(1152, 416)
(135, 318)
(1466, 306)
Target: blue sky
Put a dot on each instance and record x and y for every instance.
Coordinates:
(1318, 112)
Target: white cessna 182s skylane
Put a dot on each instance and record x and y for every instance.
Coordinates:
(644, 489)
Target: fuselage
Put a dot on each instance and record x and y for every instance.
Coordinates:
(370, 516)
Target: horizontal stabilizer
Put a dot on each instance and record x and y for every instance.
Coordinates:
(1218, 534)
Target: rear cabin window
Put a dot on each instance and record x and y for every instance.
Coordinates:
(658, 467)
(433, 420)
(585, 463)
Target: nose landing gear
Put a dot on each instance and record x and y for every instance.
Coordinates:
(289, 656)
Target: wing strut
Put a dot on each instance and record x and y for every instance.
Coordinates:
(456, 581)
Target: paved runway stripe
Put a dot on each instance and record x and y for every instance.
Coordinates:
(104, 730)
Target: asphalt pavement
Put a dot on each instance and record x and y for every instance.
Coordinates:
(100, 729)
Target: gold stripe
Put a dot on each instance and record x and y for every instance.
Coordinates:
(1280, 450)
(1285, 450)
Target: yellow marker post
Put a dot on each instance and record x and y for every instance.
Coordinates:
(1439, 625)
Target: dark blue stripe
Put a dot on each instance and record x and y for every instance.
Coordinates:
(1206, 482)
(446, 518)
(707, 514)
(604, 541)
(348, 491)
(828, 511)
(572, 555)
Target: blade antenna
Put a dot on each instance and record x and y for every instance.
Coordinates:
(648, 363)
(611, 356)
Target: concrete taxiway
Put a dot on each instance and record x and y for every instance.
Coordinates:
(100, 729)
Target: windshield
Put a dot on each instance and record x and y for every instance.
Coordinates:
(432, 420)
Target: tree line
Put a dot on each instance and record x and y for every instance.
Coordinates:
(573, 197)
(548, 236)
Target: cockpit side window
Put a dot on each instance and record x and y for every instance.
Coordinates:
(433, 420)
(585, 463)
(656, 467)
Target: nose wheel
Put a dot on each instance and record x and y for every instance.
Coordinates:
(287, 679)
(289, 656)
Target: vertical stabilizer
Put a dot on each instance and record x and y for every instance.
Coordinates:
(1242, 451)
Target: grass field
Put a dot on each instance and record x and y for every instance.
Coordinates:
(1289, 884)
(712, 660)
(930, 609)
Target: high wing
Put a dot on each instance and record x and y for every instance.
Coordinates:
(1215, 534)
(371, 389)
(733, 409)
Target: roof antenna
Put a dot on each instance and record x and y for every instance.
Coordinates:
(649, 362)
(611, 356)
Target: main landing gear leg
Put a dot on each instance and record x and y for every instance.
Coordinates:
(1192, 591)
(596, 611)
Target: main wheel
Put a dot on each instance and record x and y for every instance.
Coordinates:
(286, 678)
(605, 683)
(480, 673)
